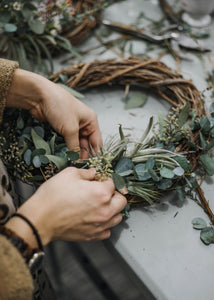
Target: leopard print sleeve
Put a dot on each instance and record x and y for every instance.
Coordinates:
(7, 68)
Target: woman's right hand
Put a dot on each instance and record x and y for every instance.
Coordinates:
(71, 206)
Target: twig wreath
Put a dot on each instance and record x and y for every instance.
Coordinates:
(175, 156)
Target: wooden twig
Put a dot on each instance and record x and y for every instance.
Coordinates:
(205, 204)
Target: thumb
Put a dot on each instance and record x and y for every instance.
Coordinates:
(87, 174)
(72, 142)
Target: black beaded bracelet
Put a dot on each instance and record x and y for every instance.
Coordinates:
(35, 232)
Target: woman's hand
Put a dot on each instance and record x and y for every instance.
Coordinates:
(72, 206)
(49, 102)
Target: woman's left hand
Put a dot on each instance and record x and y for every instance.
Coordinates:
(49, 102)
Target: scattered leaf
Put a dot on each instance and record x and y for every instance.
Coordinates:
(199, 223)
(136, 100)
(207, 235)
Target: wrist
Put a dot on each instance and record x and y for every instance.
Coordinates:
(22, 230)
(25, 91)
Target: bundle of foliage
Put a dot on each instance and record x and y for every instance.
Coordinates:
(33, 30)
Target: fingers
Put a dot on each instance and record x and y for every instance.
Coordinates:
(72, 142)
(118, 203)
(88, 174)
(104, 229)
(95, 139)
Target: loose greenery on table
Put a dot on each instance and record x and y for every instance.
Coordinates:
(33, 30)
(173, 155)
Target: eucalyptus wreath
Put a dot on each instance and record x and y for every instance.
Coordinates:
(173, 154)
(33, 30)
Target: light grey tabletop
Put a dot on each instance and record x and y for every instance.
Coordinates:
(158, 243)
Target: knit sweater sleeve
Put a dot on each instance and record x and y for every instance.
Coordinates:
(15, 279)
(7, 68)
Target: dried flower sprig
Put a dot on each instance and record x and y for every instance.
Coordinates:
(102, 163)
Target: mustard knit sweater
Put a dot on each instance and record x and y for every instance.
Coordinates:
(15, 279)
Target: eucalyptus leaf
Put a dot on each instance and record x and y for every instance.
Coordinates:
(44, 160)
(126, 173)
(199, 223)
(150, 163)
(37, 162)
(72, 155)
(136, 100)
(167, 173)
(72, 91)
(118, 181)
(194, 125)
(184, 114)
(28, 10)
(10, 27)
(36, 26)
(178, 171)
(208, 164)
(207, 235)
(39, 142)
(154, 175)
(60, 162)
(5, 16)
(210, 145)
(183, 162)
(40, 131)
(124, 164)
(142, 172)
(20, 123)
(27, 157)
(203, 141)
(205, 124)
(38, 152)
(164, 184)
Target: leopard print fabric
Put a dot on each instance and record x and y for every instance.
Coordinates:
(7, 202)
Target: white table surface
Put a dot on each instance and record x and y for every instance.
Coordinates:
(158, 243)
